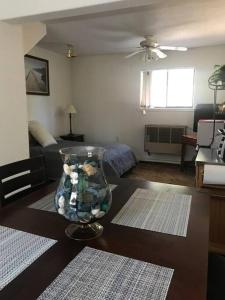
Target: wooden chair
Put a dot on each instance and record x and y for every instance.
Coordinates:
(216, 275)
(19, 178)
(191, 140)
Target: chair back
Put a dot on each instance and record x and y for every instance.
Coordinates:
(18, 178)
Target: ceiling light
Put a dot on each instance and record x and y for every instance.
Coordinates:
(70, 51)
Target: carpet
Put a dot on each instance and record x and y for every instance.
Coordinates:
(161, 172)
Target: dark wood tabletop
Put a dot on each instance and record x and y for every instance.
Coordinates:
(187, 256)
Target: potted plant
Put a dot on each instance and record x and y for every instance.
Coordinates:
(217, 79)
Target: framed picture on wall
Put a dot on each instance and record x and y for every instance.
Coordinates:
(37, 76)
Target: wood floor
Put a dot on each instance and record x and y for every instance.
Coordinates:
(165, 173)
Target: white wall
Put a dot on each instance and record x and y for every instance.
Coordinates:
(13, 106)
(106, 92)
(49, 110)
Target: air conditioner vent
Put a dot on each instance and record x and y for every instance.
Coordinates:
(163, 138)
(164, 135)
(152, 133)
(176, 135)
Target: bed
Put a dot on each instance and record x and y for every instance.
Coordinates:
(117, 160)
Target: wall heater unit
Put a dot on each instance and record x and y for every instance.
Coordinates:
(164, 138)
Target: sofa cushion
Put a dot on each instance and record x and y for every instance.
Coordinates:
(41, 134)
(32, 141)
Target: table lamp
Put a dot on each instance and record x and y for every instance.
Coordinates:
(71, 110)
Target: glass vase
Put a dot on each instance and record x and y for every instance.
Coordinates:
(83, 195)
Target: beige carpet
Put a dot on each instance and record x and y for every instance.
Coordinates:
(166, 173)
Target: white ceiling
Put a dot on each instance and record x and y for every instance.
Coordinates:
(192, 23)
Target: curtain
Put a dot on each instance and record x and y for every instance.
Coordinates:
(145, 90)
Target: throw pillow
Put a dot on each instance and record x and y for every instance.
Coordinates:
(41, 134)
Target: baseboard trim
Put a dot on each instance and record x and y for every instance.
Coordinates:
(162, 158)
(169, 162)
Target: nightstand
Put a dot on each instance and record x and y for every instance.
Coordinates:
(73, 137)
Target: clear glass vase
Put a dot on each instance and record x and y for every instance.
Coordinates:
(83, 195)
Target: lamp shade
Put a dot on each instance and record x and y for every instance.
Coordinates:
(71, 109)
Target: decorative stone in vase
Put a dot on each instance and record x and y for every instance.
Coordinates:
(83, 195)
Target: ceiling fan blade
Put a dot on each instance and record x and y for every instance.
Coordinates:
(159, 53)
(134, 53)
(173, 48)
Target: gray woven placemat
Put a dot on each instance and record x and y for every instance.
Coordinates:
(99, 275)
(47, 203)
(18, 250)
(156, 211)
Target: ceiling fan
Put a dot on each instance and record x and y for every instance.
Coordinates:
(152, 49)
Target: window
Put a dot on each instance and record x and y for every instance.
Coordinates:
(167, 88)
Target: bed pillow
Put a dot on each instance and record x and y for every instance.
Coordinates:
(41, 134)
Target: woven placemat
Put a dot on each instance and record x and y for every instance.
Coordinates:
(99, 275)
(47, 203)
(18, 250)
(156, 211)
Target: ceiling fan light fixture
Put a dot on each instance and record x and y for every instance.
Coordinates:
(70, 52)
(150, 56)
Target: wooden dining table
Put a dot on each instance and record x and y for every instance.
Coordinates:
(188, 256)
